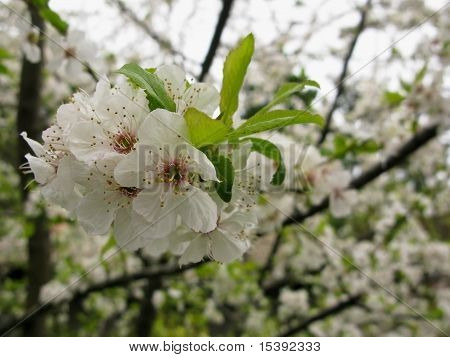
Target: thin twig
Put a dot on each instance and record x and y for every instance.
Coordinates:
(215, 42)
(340, 86)
(330, 311)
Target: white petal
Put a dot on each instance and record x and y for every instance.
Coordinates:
(128, 172)
(201, 165)
(173, 78)
(127, 229)
(226, 249)
(108, 162)
(157, 247)
(88, 142)
(179, 241)
(43, 172)
(196, 250)
(96, 211)
(162, 220)
(34, 145)
(102, 92)
(198, 211)
(67, 115)
(238, 221)
(163, 129)
(202, 96)
(61, 190)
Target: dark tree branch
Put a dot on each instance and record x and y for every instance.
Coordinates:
(121, 281)
(404, 151)
(147, 312)
(330, 311)
(29, 120)
(342, 77)
(215, 42)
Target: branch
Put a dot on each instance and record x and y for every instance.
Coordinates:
(164, 43)
(215, 42)
(121, 281)
(404, 151)
(29, 119)
(330, 311)
(342, 77)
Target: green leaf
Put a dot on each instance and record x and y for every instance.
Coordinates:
(274, 120)
(204, 130)
(345, 144)
(50, 16)
(110, 243)
(367, 146)
(153, 86)
(225, 173)
(393, 99)
(285, 91)
(420, 74)
(405, 85)
(4, 70)
(272, 152)
(4, 54)
(234, 70)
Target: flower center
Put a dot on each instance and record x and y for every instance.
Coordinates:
(33, 37)
(123, 142)
(130, 192)
(174, 172)
(70, 52)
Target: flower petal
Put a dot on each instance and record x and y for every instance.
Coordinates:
(203, 97)
(173, 78)
(226, 249)
(96, 211)
(88, 142)
(128, 227)
(37, 148)
(162, 220)
(43, 171)
(200, 164)
(162, 128)
(196, 250)
(198, 210)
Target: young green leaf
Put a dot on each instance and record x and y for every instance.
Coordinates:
(4, 70)
(272, 152)
(285, 91)
(51, 16)
(225, 173)
(393, 99)
(153, 86)
(234, 71)
(274, 120)
(4, 54)
(204, 130)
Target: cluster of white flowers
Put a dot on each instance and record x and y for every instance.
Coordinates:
(324, 178)
(111, 161)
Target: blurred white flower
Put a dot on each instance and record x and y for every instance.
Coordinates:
(29, 38)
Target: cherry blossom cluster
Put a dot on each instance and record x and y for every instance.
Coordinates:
(113, 162)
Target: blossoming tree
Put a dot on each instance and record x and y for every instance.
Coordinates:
(145, 202)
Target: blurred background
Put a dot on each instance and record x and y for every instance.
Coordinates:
(378, 265)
